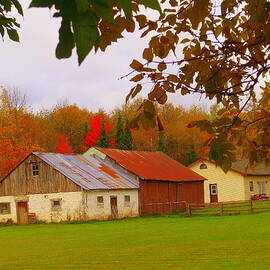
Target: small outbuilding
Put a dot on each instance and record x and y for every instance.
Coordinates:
(53, 187)
(164, 184)
(239, 183)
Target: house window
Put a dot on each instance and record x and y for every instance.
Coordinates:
(251, 188)
(261, 187)
(4, 208)
(127, 200)
(56, 205)
(35, 169)
(213, 189)
(100, 200)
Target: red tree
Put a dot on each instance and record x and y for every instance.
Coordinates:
(63, 147)
(93, 134)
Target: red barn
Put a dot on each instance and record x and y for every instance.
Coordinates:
(165, 184)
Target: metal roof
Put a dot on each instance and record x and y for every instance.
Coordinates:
(242, 167)
(151, 165)
(89, 172)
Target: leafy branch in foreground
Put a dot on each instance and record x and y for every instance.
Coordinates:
(8, 24)
(219, 49)
(92, 24)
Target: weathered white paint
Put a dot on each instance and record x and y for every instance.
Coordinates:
(74, 205)
(13, 212)
(103, 211)
(71, 206)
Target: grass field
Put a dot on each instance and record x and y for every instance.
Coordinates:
(203, 243)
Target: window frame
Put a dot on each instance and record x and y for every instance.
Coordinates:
(261, 187)
(213, 189)
(127, 202)
(8, 208)
(251, 186)
(101, 202)
(35, 169)
(56, 207)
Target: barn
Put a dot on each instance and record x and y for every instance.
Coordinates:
(53, 187)
(165, 185)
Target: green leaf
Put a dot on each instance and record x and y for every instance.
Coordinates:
(126, 6)
(154, 4)
(42, 3)
(2, 31)
(13, 35)
(18, 6)
(103, 8)
(86, 34)
(66, 41)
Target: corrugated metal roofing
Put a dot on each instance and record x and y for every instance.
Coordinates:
(89, 172)
(151, 165)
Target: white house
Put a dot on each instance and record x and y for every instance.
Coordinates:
(239, 183)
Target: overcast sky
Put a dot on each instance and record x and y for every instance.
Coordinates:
(32, 67)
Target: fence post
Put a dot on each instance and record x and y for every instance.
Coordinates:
(221, 208)
(188, 210)
(251, 206)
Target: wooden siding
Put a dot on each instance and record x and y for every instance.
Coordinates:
(22, 182)
(158, 197)
(230, 185)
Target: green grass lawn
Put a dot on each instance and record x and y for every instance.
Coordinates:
(203, 243)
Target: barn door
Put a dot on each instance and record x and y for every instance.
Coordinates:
(213, 193)
(22, 212)
(114, 210)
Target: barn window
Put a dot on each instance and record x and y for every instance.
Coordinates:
(100, 200)
(251, 188)
(127, 200)
(56, 205)
(35, 169)
(4, 208)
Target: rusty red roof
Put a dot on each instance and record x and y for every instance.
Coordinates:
(151, 165)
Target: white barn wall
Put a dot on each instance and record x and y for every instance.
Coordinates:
(103, 211)
(71, 206)
(13, 212)
(74, 205)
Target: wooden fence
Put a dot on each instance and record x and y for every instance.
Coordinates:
(228, 208)
(162, 208)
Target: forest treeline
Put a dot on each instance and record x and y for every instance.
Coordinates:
(67, 128)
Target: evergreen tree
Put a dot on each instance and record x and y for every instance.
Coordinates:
(119, 133)
(103, 140)
(128, 140)
(161, 145)
(191, 155)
